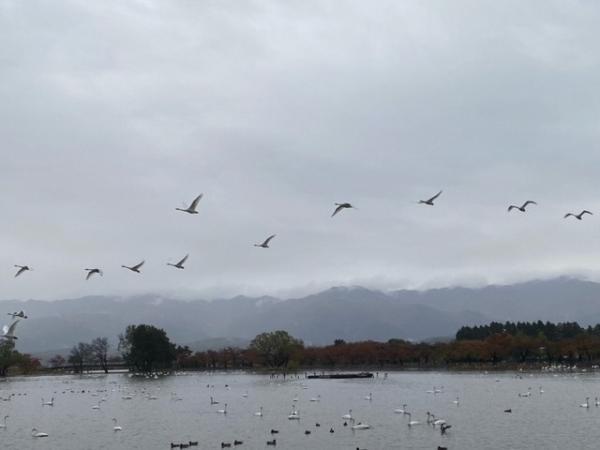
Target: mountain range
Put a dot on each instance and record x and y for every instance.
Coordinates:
(349, 313)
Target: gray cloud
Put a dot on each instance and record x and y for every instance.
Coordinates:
(114, 113)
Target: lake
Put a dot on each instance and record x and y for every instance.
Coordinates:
(177, 409)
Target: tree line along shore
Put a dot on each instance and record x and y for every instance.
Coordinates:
(504, 346)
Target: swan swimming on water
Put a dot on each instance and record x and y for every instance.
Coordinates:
(259, 413)
(116, 427)
(361, 426)
(295, 414)
(412, 423)
(36, 434)
(3, 423)
(401, 410)
(348, 416)
(586, 404)
(224, 410)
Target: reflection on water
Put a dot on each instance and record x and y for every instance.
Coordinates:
(154, 413)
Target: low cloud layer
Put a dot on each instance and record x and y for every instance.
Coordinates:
(114, 113)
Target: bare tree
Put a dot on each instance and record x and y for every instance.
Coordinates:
(100, 351)
(79, 355)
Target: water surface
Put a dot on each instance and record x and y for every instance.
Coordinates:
(177, 409)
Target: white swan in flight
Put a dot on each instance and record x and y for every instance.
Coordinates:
(522, 207)
(340, 206)
(8, 331)
(116, 427)
(21, 270)
(135, 268)
(92, 272)
(36, 434)
(580, 215)
(21, 314)
(430, 201)
(265, 244)
(192, 208)
(180, 264)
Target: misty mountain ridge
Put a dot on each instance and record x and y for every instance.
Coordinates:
(350, 313)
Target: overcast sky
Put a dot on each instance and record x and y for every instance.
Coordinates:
(113, 113)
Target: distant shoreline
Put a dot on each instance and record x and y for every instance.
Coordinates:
(378, 372)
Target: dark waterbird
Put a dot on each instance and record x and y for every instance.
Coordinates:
(444, 427)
